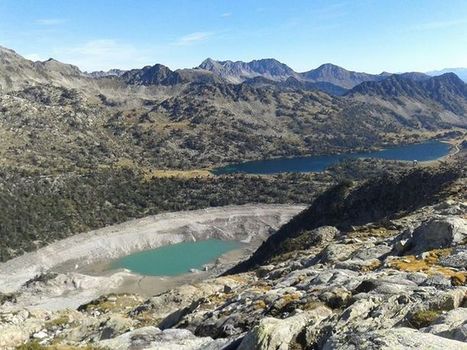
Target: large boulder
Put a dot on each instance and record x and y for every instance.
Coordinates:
(437, 233)
(276, 334)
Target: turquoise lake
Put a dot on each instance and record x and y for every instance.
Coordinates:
(421, 152)
(176, 259)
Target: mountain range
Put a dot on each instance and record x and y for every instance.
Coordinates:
(53, 117)
(327, 77)
(271, 70)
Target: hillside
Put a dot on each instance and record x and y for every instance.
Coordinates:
(390, 273)
(17, 72)
(55, 118)
(418, 101)
(346, 205)
(60, 124)
(233, 175)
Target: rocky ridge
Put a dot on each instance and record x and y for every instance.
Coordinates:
(273, 70)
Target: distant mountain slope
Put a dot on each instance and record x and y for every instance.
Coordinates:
(416, 76)
(16, 71)
(237, 72)
(324, 86)
(109, 73)
(296, 84)
(447, 90)
(271, 69)
(330, 73)
(151, 75)
(460, 72)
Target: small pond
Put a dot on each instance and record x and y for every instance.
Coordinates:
(176, 259)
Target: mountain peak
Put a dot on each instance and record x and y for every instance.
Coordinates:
(339, 76)
(209, 64)
(157, 74)
(52, 65)
(239, 71)
(449, 76)
(329, 66)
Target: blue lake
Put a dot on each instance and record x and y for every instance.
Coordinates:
(176, 259)
(421, 152)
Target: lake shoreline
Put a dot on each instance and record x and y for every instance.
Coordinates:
(62, 261)
(272, 166)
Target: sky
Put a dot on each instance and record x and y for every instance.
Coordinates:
(362, 35)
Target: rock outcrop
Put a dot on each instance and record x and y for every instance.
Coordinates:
(437, 233)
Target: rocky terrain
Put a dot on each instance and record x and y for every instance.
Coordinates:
(393, 278)
(271, 69)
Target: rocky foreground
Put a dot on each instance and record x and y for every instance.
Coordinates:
(394, 283)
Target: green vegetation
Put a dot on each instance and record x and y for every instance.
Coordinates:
(423, 318)
(37, 210)
(33, 345)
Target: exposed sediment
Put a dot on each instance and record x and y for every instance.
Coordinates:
(250, 223)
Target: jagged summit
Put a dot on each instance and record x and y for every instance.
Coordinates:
(239, 71)
(272, 69)
(157, 74)
(209, 63)
(328, 77)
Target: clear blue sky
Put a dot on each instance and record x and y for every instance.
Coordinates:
(362, 35)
